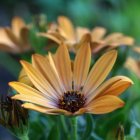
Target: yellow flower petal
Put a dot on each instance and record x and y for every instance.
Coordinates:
(114, 86)
(63, 66)
(13, 38)
(42, 64)
(32, 99)
(39, 81)
(104, 104)
(56, 37)
(99, 71)
(4, 39)
(133, 65)
(112, 37)
(80, 32)
(66, 27)
(17, 25)
(98, 33)
(23, 78)
(25, 89)
(45, 110)
(86, 38)
(81, 66)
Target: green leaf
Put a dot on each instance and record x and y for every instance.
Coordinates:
(54, 133)
(10, 64)
(37, 43)
(130, 138)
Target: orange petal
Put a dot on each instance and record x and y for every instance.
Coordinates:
(80, 31)
(99, 71)
(98, 33)
(56, 37)
(112, 37)
(39, 81)
(13, 38)
(81, 66)
(32, 99)
(66, 27)
(17, 25)
(86, 38)
(125, 40)
(24, 38)
(4, 39)
(114, 86)
(23, 78)
(136, 49)
(133, 65)
(26, 90)
(63, 66)
(42, 64)
(45, 110)
(104, 104)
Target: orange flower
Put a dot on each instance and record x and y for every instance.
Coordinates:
(65, 32)
(15, 39)
(133, 65)
(63, 88)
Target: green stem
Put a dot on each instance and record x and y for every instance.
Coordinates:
(63, 123)
(24, 137)
(74, 128)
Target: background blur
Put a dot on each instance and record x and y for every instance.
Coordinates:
(115, 15)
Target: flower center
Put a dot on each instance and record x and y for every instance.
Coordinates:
(72, 101)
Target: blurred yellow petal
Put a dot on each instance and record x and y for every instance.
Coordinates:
(99, 72)
(104, 104)
(136, 49)
(12, 37)
(81, 66)
(66, 27)
(17, 25)
(98, 33)
(80, 32)
(56, 37)
(24, 38)
(4, 39)
(133, 65)
(113, 37)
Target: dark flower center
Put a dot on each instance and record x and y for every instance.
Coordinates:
(72, 101)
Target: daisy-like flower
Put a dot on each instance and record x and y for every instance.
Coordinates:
(133, 65)
(15, 39)
(65, 32)
(62, 87)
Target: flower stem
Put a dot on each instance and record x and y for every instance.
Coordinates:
(63, 123)
(74, 128)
